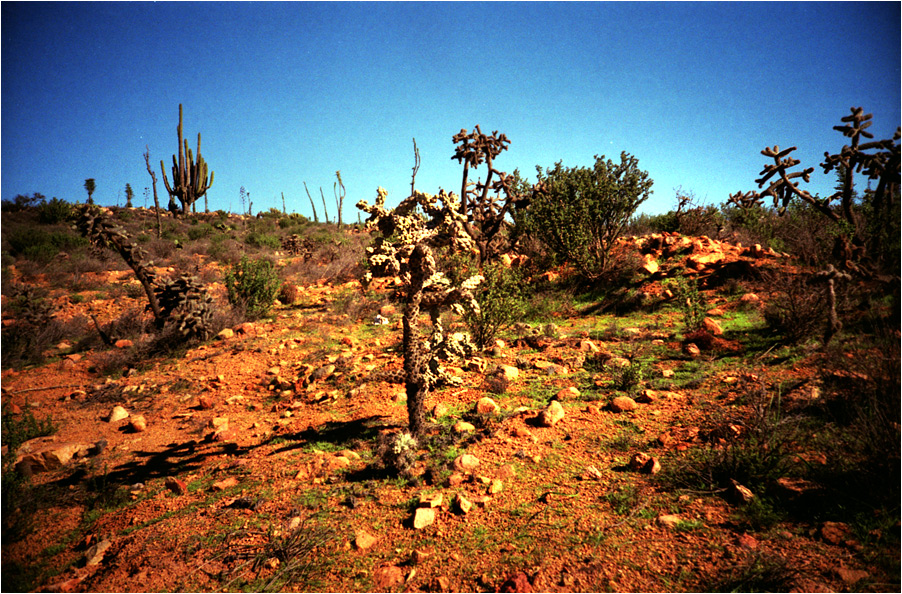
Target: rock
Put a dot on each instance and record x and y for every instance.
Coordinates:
(388, 310)
(566, 393)
(740, 493)
(647, 396)
(206, 402)
(541, 364)
(669, 520)
(466, 462)
(520, 431)
(322, 373)
(618, 362)
(424, 516)
(650, 264)
(464, 427)
(487, 406)
(463, 504)
(245, 328)
(667, 373)
(439, 410)
(95, 554)
(495, 487)
(750, 299)
(552, 414)
(692, 350)
(587, 346)
(444, 584)
(363, 540)
(623, 404)
(556, 370)
(456, 479)
(118, 413)
(509, 372)
(386, 578)
(715, 312)
(420, 555)
(592, 473)
(835, 532)
(433, 500)
(518, 583)
(653, 466)
(226, 333)
(225, 483)
(851, 576)
(123, 343)
(747, 541)
(349, 454)
(51, 458)
(337, 463)
(177, 486)
(218, 423)
(138, 424)
(712, 326)
(274, 371)
(506, 471)
(639, 460)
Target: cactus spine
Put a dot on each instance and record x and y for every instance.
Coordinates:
(189, 177)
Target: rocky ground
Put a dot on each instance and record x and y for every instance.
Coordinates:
(254, 460)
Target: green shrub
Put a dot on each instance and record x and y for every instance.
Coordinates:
(580, 212)
(501, 297)
(690, 301)
(262, 240)
(42, 244)
(55, 211)
(201, 231)
(253, 285)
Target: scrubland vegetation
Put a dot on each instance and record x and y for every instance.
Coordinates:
(584, 398)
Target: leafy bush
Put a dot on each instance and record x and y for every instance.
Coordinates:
(262, 240)
(253, 285)
(31, 242)
(501, 298)
(55, 211)
(200, 231)
(580, 212)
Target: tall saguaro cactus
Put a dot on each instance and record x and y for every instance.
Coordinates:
(189, 176)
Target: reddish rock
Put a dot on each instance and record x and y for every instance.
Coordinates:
(138, 424)
(123, 343)
(552, 414)
(363, 540)
(386, 578)
(424, 516)
(487, 406)
(712, 326)
(177, 486)
(225, 483)
(566, 393)
(466, 462)
(623, 404)
(518, 583)
(835, 532)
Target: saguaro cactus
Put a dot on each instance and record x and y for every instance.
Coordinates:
(405, 249)
(189, 177)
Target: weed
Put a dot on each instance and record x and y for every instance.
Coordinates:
(756, 573)
(289, 558)
(624, 500)
(690, 301)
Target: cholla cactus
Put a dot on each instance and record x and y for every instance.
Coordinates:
(182, 301)
(409, 233)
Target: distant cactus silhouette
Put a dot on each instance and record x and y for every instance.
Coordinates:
(189, 176)
(405, 249)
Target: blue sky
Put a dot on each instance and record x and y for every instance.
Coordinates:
(290, 92)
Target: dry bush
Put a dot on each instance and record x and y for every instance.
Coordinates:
(797, 310)
(290, 294)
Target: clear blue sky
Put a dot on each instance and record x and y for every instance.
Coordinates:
(290, 92)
